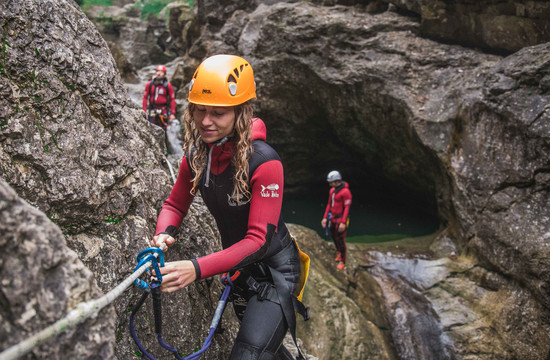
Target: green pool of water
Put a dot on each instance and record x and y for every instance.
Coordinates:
(369, 222)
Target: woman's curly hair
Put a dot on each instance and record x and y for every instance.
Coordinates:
(241, 136)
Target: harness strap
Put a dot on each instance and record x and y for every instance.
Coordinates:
(163, 83)
(280, 294)
(157, 309)
(267, 291)
(287, 304)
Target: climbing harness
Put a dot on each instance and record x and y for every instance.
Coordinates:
(279, 292)
(159, 118)
(154, 289)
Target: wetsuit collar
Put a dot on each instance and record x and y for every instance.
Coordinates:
(212, 146)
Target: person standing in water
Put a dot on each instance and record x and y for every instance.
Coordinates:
(240, 178)
(336, 216)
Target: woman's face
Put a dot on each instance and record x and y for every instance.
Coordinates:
(214, 122)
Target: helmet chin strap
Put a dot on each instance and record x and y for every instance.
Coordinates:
(220, 142)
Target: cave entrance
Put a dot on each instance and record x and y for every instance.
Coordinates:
(382, 209)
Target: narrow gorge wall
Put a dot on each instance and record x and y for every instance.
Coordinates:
(447, 127)
(443, 124)
(73, 146)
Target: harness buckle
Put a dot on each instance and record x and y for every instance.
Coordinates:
(261, 289)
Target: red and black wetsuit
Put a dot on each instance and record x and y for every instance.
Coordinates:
(159, 94)
(252, 233)
(339, 202)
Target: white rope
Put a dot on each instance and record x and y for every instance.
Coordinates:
(82, 311)
(171, 170)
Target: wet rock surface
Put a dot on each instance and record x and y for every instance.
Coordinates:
(347, 313)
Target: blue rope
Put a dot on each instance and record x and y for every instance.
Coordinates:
(213, 325)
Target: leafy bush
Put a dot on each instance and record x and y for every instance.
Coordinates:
(87, 3)
(155, 6)
(147, 6)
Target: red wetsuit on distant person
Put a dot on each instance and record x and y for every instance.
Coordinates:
(337, 214)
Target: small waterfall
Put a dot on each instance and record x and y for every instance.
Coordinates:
(174, 143)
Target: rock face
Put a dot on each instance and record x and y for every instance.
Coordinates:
(453, 130)
(347, 314)
(450, 128)
(74, 146)
(42, 280)
(498, 25)
(143, 42)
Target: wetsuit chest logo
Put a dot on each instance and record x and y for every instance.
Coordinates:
(270, 191)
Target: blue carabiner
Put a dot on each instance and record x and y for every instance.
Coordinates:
(152, 250)
(154, 263)
(145, 256)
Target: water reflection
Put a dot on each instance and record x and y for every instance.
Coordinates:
(369, 221)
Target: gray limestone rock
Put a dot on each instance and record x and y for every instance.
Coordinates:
(442, 126)
(42, 280)
(75, 146)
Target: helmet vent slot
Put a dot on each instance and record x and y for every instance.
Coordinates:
(231, 78)
(236, 71)
(242, 67)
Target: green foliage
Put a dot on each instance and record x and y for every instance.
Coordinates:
(113, 220)
(155, 6)
(85, 4)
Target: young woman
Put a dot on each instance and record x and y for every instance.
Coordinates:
(240, 179)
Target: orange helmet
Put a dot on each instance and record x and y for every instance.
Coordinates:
(161, 68)
(222, 80)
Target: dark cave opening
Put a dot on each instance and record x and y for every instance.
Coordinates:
(380, 207)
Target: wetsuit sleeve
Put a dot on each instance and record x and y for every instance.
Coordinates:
(265, 208)
(172, 99)
(145, 95)
(176, 206)
(328, 205)
(346, 199)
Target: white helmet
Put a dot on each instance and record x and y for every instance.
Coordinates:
(334, 175)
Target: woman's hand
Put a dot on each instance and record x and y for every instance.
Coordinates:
(158, 240)
(324, 222)
(177, 275)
